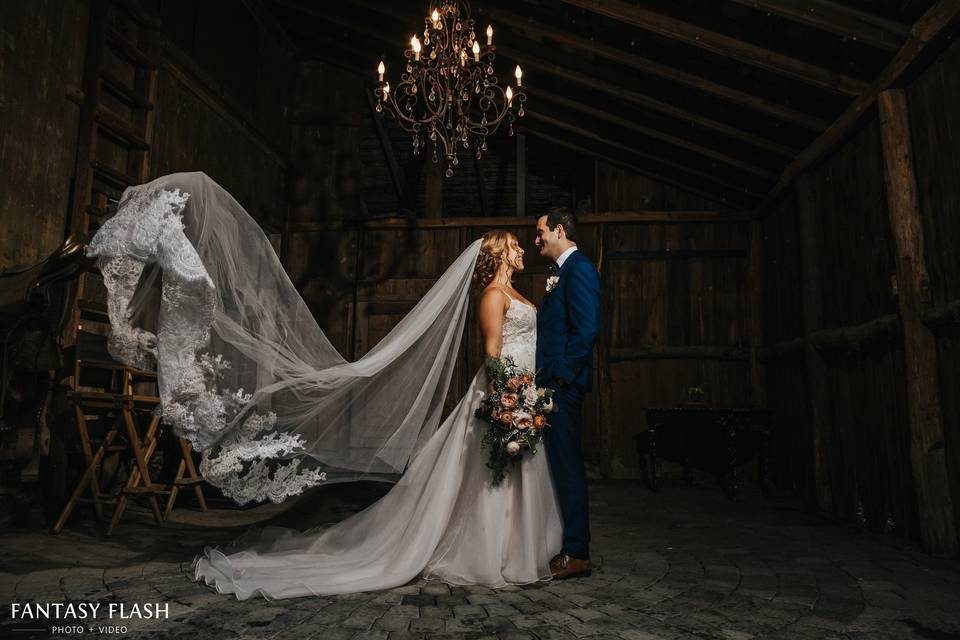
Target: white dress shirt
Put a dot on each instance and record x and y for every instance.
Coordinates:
(563, 256)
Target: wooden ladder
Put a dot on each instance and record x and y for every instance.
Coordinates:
(116, 130)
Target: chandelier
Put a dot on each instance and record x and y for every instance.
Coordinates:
(448, 92)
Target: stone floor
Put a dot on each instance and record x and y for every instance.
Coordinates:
(684, 563)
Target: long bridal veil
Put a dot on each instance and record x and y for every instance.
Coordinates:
(244, 371)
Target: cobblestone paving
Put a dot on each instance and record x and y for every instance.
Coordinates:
(684, 563)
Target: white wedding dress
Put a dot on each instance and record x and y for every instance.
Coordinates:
(443, 520)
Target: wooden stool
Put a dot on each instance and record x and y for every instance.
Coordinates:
(114, 399)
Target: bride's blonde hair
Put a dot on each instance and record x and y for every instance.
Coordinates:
(493, 251)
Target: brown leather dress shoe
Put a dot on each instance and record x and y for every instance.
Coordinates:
(569, 567)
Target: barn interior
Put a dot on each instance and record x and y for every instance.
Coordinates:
(768, 188)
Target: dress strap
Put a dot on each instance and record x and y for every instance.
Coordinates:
(504, 289)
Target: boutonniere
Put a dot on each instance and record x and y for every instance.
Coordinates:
(552, 283)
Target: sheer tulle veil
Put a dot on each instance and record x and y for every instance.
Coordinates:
(245, 373)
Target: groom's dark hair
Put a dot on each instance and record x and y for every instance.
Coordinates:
(564, 216)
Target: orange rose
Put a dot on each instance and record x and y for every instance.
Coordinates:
(539, 421)
(508, 400)
(513, 384)
(506, 417)
(526, 378)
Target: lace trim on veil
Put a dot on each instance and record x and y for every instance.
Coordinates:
(248, 463)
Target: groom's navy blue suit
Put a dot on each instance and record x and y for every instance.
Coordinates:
(567, 326)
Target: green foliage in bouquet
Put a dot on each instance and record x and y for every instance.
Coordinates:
(515, 411)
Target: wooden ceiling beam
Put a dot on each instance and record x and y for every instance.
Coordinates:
(536, 30)
(694, 188)
(631, 150)
(928, 36)
(723, 45)
(838, 20)
(632, 125)
(646, 102)
(528, 61)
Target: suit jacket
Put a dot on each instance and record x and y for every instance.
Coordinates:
(567, 325)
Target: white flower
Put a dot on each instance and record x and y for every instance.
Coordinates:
(530, 395)
(522, 419)
(552, 283)
(513, 448)
(548, 407)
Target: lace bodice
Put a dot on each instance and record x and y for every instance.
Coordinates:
(520, 334)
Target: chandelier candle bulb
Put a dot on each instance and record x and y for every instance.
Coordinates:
(446, 93)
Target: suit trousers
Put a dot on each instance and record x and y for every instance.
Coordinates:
(565, 456)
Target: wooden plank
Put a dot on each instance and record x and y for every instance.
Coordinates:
(536, 31)
(433, 199)
(481, 187)
(928, 36)
(677, 254)
(696, 352)
(755, 283)
(562, 72)
(691, 187)
(838, 20)
(388, 152)
(854, 339)
(632, 150)
(610, 217)
(188, 73)
(724, 45)
(521, 174)
(633, 125)
(641, 100)
(815, 369)
(927, 446)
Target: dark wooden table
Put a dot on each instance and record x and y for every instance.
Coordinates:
(712, 438)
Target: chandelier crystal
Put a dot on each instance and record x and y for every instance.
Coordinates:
(448, 91)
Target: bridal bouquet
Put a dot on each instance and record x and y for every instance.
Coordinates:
(515, 412)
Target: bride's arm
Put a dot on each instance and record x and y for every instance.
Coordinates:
(492, 309)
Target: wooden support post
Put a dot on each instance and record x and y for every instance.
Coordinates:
(758, 382)
(481, 187)
(815, 369)
(927, 449)
(521, 174)
(388, 153)
(433, 206)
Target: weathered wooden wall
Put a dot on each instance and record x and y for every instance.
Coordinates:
(934, 101)
(853, 458)
(41, 68)
(224, 90)
(676, 304)
(225, 85)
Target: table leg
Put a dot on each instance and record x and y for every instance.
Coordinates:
(764, 461)
(731, 428)
(652, 434)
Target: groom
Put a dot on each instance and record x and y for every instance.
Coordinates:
(567, 326)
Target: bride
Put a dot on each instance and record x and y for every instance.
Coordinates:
(195, 287)
(444, 519)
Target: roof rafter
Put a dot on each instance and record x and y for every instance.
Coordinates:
(631, 125)
(838, 20)
(723, 45)
(528, 61)
(928, 35)
(660, 70)
(695, 188)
